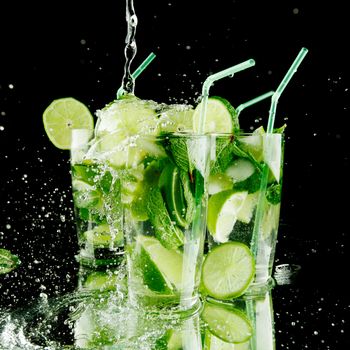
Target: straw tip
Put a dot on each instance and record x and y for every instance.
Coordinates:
(251, 61)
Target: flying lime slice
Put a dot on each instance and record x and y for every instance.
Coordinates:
(221, 117)
(164, 263)
(223, 208)
(63, 115)
(228, 270)
(227, 323)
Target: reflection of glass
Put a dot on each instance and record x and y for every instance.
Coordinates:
(239, 208)
(105, 320)
(100, 237)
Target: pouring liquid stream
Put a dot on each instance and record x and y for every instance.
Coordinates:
(128, 83)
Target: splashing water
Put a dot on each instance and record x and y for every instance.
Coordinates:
(130, 50)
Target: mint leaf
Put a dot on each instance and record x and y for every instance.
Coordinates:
(189, 199)
(223, 155)
(273, 193)
(177, 150)
(165, 230)
(8, 261)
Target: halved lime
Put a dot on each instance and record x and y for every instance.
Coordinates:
(223, 208)
(63, 115)
(168, 262)
(227, 323)
(228, 270)
(221, 117)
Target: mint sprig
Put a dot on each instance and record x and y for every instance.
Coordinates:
(8, 261)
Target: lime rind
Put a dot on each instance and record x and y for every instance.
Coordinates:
(227, 323)
(221, 117)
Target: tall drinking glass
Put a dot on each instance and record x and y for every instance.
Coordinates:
(243, 214)
(95, 189)
(164, 202)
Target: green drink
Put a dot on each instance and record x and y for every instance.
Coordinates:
(242, 233)
(100, 235)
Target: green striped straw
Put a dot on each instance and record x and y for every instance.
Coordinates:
(270, 125)
(138, 71)
(209, 82)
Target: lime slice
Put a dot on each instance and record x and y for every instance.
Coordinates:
(227, 323)
(177, 118)
(246, 212)
(228, 270)
(223, 208)
(167, 262)
(99, 280)
(61, 116)
(214, 343)
(221, 117)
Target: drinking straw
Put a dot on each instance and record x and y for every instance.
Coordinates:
(138, 70)
(268, 150)
(251, 102)
(209, 82)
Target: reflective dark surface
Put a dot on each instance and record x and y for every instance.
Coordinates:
(52, 51)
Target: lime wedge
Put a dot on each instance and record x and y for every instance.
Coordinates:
(167, 262)
(218, 183)
(172, 191)
(223, 208)
(228, 270)
(61, 116)
(221, 117)
(246, 212)
(227, 323)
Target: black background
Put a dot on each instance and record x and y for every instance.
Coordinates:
(61, 49)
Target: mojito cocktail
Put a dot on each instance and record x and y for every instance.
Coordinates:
(161, 171)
